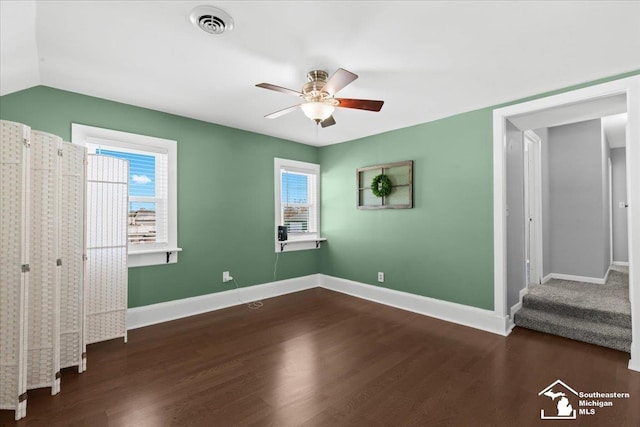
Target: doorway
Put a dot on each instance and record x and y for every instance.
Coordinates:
(602, 96)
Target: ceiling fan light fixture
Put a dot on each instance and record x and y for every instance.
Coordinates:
(317, 111)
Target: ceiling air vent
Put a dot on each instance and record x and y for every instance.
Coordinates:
(211, 19)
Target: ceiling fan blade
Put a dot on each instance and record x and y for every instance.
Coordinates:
(360, 104)
(340, 79)
(279, 89)
(329, 121)
(281, 112)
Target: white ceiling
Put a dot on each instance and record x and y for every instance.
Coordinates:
(426, 60)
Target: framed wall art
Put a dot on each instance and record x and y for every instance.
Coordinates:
(387, 186)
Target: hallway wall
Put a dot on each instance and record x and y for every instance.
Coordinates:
(619, 194)
(578, 235)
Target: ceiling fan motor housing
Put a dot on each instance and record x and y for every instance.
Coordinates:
(318, 75)
(312, 90)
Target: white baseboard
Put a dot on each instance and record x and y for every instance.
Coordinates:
(512, 313)
(163, 312)
(546, 278)
(518, 305)
(523, 292)
(474, 317)
(621, 263)
(596, 280)
(634, 362)
(451, 312)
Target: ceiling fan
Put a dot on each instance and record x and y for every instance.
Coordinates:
(319, 98)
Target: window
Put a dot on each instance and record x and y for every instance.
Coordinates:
(297, 186)
(297, 202)
(147, 194)
(152, 227)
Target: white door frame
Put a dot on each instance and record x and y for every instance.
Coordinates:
(535, 273)
(631, 88)
(610, 174)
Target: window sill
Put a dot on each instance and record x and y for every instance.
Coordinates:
(299, 244)
(157, 256)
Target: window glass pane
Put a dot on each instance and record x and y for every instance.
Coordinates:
(296, 219)
(294, 188)
(142, 222)
(142, 171)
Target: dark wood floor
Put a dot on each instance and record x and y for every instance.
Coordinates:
(320, 358)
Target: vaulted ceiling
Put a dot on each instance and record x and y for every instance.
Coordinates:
(426, 60)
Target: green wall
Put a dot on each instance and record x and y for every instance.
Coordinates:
(443, 247)
(225, 192)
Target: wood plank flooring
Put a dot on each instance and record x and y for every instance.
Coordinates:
(320, 358)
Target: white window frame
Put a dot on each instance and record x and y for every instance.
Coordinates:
(153, 253)
(302, 241)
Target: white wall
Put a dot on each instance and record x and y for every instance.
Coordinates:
(578, 236)
(619, 194)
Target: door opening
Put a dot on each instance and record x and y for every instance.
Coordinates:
(608, 98)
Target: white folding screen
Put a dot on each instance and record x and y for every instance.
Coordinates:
(43, 346)
(14, 259)
(72, 244)
(106, 273)
(41, 261)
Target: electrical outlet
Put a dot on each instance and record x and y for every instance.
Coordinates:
(226, 277)
(380, 276)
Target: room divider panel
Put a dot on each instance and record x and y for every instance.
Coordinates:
(14, 262)
(106, 281)
(41, 261)
(57, 295)
(43, 345)
(72, 247)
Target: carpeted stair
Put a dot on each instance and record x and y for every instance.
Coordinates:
(596, 314)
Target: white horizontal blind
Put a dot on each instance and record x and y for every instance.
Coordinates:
(298, 207)
(148, 193)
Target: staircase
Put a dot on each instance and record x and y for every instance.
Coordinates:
(596, 314)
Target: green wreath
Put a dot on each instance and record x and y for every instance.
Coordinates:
(381, 186)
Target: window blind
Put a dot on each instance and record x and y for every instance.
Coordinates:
(148, 191)
(298, 201)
